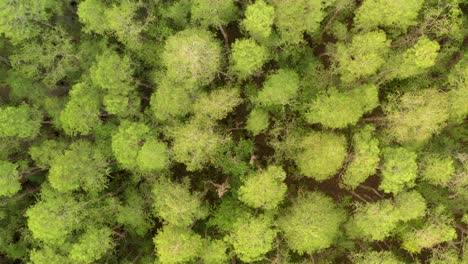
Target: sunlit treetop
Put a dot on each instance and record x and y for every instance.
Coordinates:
(90, 13)
(92, 245)
(247, 57)
(21, 122)
(9, 179)
(213, 12)
(217, 104)
(193, 56)
(399, 170)
(264, 189)
(312, 223)
(387, 13)
(258, 20)
(279, 88)
(175, 244)
(127, 142)
(382, 257)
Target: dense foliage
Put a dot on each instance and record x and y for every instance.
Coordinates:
(233, 131)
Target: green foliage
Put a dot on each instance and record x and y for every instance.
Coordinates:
(365, 159)
(252, 237)
(258, 20)
(227, 213)
(132, 213)
(214, 252)
(437, 170)
(81, 114)
(363, 56)
(48, 255)
(90, 13)
(399, 170)
(312, 223)
(153, 156)
(381, 257)
(264, 189)
(247, 57)
(322, 155)
(92, 245)
(176, 244)
(44, 153)
(213, 12)
(279, 88)
(417, 59)
(436, 230)
(22, 122)
(218, 104)
(196, 154)
(174, 203)
(387, 13)
(258, 121)
(126, 143)
(9, 178)
(415, 116)
(458, 94)
(410, 205)
(335, 109)
(295, 17)
(80, 166)
(170, 101)
(192, 56)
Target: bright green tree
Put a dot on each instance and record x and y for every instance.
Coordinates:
(410, 205)
(279, 88)
(247, 57)
(335, 109)
(252, 237)
(171, 100)
(258, 20)
(126, 143)
(217, 104)
(192, 56)
(381, 257)
(46, 151)
(312, 223)
(213, 12)
(22, 122)
(437, 170)
(9, 179)
(48, 255)
(81, 114)
(387, 13)
(90, 13)
(365, 160)
(80, 166)
(363, 56)
(196, 154)
(415, 116)
(214, 251)
(153, 156)
(176, 244)
(175, 204)
(92, 245)
(264, 189)
(399, 169)
(257, 121)
(322, 155)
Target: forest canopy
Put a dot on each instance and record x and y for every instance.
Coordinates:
(233, 131)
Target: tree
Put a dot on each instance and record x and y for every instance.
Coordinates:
(217, 104)
(214, 251)
(335, 109)
(415, 116)
(9, 179)
(127, 142)
(399, 170)
(47, 255)
(258, 20)
(437, 170)
(365, 159)
(312, 223)
(192, 56)
(23, 122)
(382, 257)
(176, 244)
(387, 13)
(363, 56)
(196, 154)
(45, 152)
(80, 166)
(90, 14)
(171, 100)
(252, 237)
(293, 18)
(153, 156)
(175, 204)
(416, 60)
(410, 205)
(279, 88)
(21, 20)
(92, 245)
(437, 229)
(213, 12)
(322, 155)
(132, 214)
(258, 121)
(81, 114)
(265, 189)
(247, 57)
